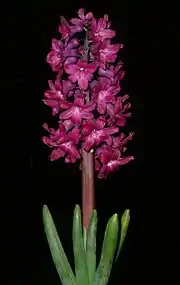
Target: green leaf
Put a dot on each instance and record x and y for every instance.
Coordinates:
(125, 219)
(79, 250)
(84, 237)
(91, 246)
(108, 251)
(59, 257)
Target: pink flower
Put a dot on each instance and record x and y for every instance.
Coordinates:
(57, 92)
(81, 72)
(68, 88)
(53, 96)
(68, 125)
(113, 73)
(85, 94)
(105, 52)
(60, 135)
(59, 53)
(94, 133)
(105, 95)
(64, 143)
(118, 112)
(83, 19)
(120, 141)
(106, 18)
(66, 30)
(99, 30)
(77, 111)
(67, 148)
(111, 160)
(55, 57)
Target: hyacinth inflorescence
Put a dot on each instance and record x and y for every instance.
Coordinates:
(85, 95)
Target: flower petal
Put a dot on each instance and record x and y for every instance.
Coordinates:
(101, 108)
(56, 154)
(91, 67)
(107, 34)
(87, 128)
(74, 77)
(81, 13)
(97, 165)
(89, 143)
(66, 114)
(65, 104)
(68, 125)
(74, 135)
(112, 130)
(100, 123)
(89, 16)
(83, 82)
(87, 116)
(76, 118)
(53, 104)
(71, 149)
(124, 160)
(71, 68)
(70, 60)
(73, 43)
(76, 22)
(64, 28)
(101, 24)
(103, 172)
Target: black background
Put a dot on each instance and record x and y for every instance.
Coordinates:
(149, 35)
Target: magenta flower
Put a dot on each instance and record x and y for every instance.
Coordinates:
(53, 97)
(118, 112)
(111, 160)
(77, 111)
(105, 52)
(99, 30)
(68, 88)
(57, 93)
(106, 19)
(85, 94)
(66, 30)
(120, 141)
(81, 72)
(94, 133)
(59, 53)
(60, 135)
(64, 143)
(54, 58)
(83, 19)
(113, 74)
(105, 94)
(67, 149)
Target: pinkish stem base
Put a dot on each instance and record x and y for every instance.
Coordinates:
(87, 187)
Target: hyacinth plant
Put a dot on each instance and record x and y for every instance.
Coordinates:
(86, 99)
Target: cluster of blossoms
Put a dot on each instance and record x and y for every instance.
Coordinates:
(85, 94)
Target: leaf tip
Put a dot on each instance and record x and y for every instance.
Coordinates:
(125, 218)
(44, 209)
(115, 218)
(77, 207)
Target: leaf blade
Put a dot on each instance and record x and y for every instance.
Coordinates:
(125, 219)
(59, 257)
(91, 246)
(108, 251)
(79, 250)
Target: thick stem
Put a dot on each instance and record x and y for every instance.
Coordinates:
(87, 168)
(87, 187)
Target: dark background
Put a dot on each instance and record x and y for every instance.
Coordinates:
(149, 35)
